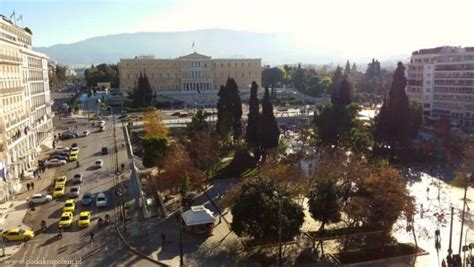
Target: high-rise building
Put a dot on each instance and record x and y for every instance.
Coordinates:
(442, 80)
(193, 73)
(25, 105)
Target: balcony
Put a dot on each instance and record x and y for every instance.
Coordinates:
(10, 59)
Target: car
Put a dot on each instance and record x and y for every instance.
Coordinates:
(73, 157)
(86, 133)
(87, 199)
(77, 178)
(183, 114)
(59, 157)
(101, 128)
(55, 162)
(99, 163)
(16, 234)
(72, 121)
(74, 145)
(101, 200)
(58, 191)
(84, 219)
(74, 150)
(69, 205)
(62, 149)
(67, 135)
(61, 180)
(60, 153)
(40, 198)
(100, 123)
(66, 219)
(105, 151)
(74, 191)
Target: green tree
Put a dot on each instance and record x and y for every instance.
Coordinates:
(251, 135)
(225, 118)
(142, 94)
(323, 201)
(256, 212)
(344, 96)
(415, 119)
(336, 84)
(236, 107)
(198, 122)
(347, 69)
(269, 131)
(154, 149)
(271, 77)
(393, 123)
(102, 73)
(299, 79)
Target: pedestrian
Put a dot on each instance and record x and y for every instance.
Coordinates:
(443, 263)
(28, 186)
(32, 186)
(39, 177)
(428, 193)
(163, 239)
(92, 236)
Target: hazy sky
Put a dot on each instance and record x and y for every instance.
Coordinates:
(352, 28)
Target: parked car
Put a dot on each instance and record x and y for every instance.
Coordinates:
(86, 133)
(101, 200)
(16, 234)
(77, 178)
(60, 180)
(87, 199)
(101, 123)
(55, 162)
(74, 145)
(69, 205)
(74, 191)
(59, 157)
(62, 149)
(105, 151)
(68, 135)
(99, 163)
(40, 198)
(60, 153)
(101, 128)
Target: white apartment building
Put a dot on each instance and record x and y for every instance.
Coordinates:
(25, 106)
(442, 80)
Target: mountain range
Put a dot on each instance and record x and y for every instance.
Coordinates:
(272, 48)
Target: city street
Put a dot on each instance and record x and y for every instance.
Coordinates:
(75, 244)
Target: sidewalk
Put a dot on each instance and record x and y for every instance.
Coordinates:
(14, 213)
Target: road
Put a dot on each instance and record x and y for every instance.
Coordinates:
(75, 244)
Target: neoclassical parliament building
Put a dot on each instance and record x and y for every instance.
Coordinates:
(193, 73)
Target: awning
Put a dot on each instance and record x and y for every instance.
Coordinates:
(198, 215)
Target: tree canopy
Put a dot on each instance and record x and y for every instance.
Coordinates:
(256, 212)
(102, 73)
(142, 94)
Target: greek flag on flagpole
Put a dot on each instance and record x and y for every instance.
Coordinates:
(193, 45)
(13, 14)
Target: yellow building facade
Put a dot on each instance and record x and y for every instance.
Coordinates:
(189, 74)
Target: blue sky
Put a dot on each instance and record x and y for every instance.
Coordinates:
(362, 27)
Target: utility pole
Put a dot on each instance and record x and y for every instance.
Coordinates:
(450, 250)
(468, 177)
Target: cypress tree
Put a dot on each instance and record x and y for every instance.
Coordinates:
(270, 133)
(347, 69)
(345, 92)
(235, 107)
(223, 106)
(336, 83)
(393, 120)
(251, 135)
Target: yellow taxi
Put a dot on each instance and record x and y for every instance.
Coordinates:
(73, 156)
(66, 219)
(69, 205)
(18, 234)
(61, 180)
(58, 191)
(84, 219)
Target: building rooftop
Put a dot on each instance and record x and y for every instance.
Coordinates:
(443, 49)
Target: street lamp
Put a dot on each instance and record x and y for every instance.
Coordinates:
(280, 261)
(468, 177)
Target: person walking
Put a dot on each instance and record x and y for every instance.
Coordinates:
(28, 186)
(92, 236)
(32, 186)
